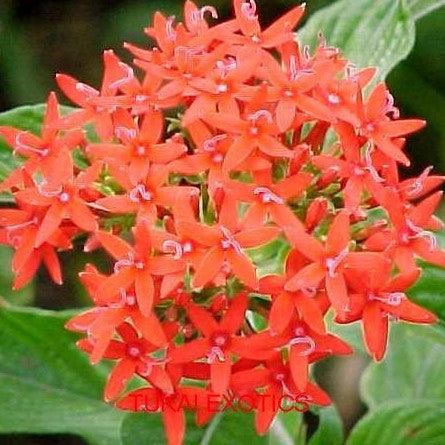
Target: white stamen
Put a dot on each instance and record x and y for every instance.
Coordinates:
(420, 233)
(267, 195)
(22, 225)
(41, 187)
(370, 167)
(210, 144)
(21, 146)
(169, 30)
(124, 262)
(333, 263)
(86, 89)
(139, 98)
(249, 9)
(224, 66)
(172, 246)
(391, 299)
(229, 241)
(125, 133)
(139, 192)
(129, 75)
(304, 340)
(417, 185)
(390, 108)
(189, 52)
(351, 71)
(293, 68)
(261, 113)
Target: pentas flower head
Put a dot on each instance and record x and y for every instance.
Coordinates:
(273, 190)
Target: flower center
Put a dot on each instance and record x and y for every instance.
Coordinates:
(134, 350)
(64, 197)
(370, 128)
(222, 88)
(288, 93)
(130, 300)
(218, 158)
(140, 98)
(140, 150)
(333, 99)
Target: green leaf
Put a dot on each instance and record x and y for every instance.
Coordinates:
(330, 428)
(420, 8)
(225, 429)
(270, 258)
(46, 385)
(18, 298)
(429, 290)
(413, 368)
(370, 33)
(416, 422)
(288, 428)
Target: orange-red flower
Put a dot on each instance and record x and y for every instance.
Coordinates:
(378, 128)
(133, 355)
(134, 266)
(376, 298)
(329, 262)
(219, 342)
(225, 244)
(40, 152)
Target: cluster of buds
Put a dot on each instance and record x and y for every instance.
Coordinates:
(232, 142)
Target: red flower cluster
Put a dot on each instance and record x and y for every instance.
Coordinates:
(270, 143)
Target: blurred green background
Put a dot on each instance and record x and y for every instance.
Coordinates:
(41, 38)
